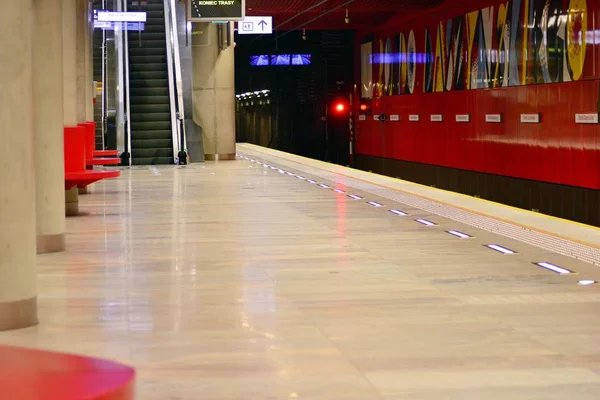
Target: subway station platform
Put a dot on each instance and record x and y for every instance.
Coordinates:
(279, 277)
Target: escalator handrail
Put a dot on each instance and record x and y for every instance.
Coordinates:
(171, 77)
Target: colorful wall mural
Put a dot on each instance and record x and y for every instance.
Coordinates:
(517, 42)
(480, 57)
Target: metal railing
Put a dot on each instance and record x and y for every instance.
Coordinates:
(127, 94)
(173, 73)
(178, 76)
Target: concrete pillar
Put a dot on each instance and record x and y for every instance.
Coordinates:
(48, 126)
(213, 92)
(18, 298)
(69, 62)
(70, 77)
(83, 86)
(89, 65)
(88, 29)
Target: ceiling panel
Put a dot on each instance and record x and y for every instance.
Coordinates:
(330, 14)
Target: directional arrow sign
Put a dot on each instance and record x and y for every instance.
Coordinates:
(256, 26)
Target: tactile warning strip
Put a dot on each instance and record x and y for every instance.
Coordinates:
(542, 240)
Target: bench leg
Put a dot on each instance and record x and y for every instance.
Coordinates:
(72, 202)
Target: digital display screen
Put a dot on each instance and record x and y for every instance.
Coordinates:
(259, 60)
(280, 59)
(301, 59)
(263, 60)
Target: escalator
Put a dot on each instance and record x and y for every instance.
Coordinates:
(150, 107)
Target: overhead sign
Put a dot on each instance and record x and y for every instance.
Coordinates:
(463, 118)
(109, 16)
(256, 26)
(215, 10)
(437, 118)
(130, 26)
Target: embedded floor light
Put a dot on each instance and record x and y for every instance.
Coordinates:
(300, 177)
(324, 186)
(311, 181)
(290, 173)
(375, 204)
(355, 197)
(281, 171)
(500, 249)
(554, 268)
(399, 213)
(586, 282)
(425, 222)
(459, 234)
(339, 191)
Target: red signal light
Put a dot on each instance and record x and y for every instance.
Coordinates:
(363, 107)
(340, 107)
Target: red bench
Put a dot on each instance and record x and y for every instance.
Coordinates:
(27, 374)
(76, 173)
(93, 156)
(106, 153)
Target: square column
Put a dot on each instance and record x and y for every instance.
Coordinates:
(48, 126)
(18, 297)
(213, 92)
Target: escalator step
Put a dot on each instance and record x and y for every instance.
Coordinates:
(149, 100)
(135, 75)
(133, 66)
(145, 51)
(154, 21)
(140, 134)
(152, 151)
(156, 143)
(151, 43)
(146, 35)
(153, 117)
(150, 126)
(148, 91)
(150, 108)
(152, 161)
(150, 58)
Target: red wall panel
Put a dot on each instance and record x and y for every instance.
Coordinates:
(556, 150)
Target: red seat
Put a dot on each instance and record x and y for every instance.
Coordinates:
(106, 153)
(27, 374)
(90, 162)
(75, 161)
(90, 147)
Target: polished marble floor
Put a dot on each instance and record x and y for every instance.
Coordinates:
(230, 280)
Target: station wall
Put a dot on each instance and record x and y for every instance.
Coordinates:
(510, 62)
